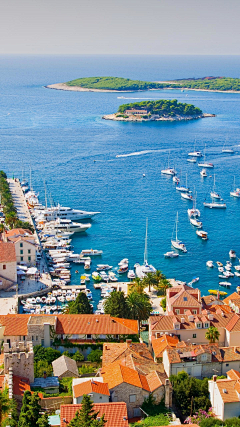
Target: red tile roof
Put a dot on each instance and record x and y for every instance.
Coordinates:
(118, 351)
(2, 378)
(160, 344)
(20, 385)
(234, 295)
(233, 374)
(15, 324)
(115, 413)
(234, 323)
(7, 252)
(69, 324)
(91, 387)
(17, 232)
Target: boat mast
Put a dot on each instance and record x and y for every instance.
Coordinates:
(30, 178)
(45, 193)
(176, 227)
(145, 250)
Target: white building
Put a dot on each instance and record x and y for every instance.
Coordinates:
(225, 395)
(94, 387)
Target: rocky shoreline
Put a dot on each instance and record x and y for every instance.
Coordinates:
(64, 86)
(176, 118)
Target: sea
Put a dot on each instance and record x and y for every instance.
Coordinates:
(98, 165)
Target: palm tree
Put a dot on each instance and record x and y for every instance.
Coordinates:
(150, 280)
(137, 285)
(162, 283)
(212, 334)
(139, 307)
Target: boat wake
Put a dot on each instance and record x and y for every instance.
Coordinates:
(140, 153)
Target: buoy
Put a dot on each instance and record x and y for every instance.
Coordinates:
(144, 174)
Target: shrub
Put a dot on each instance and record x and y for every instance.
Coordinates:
(78, 356)
(95, 356)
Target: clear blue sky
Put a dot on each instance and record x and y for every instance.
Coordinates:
(191, 27)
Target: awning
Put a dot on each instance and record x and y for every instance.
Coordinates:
(31, 271)
(21, 272)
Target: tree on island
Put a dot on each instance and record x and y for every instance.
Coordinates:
(81, 305)
(116, 305)
(212, 334)
(86, 416)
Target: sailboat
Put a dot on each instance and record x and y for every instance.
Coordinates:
(194, 213)
(213, 193)
(168, 171)
(214, 204)
(205, 164)
(195, 153)
(178, 244)
(227, 150)
(143, 270)
(235, 192)
(183, 189)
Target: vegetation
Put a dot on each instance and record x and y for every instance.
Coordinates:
(86, 369)
(95, 356)
(212, 334)
(115, 83)
(7, 406)
(190, 393)
(210, 83)
(214, 422)
(157, 413)
(81, 305)
(9, 210)
(162, 107)
(86, 416)
(30, 411)
(163, 303)
(116, 305)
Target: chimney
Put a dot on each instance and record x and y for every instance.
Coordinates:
(128, 341)
(140, 353)
(105, 347)
(182, 320)
(214, 378)
(44, 374)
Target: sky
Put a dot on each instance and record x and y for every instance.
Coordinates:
(162, 27)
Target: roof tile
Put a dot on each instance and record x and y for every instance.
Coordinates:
(115, 413)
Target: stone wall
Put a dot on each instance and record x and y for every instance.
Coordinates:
(20, 358)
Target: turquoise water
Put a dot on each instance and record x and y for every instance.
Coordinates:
(64, 139)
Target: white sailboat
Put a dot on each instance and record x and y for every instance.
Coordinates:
(184, 189)
(203, 173)
(227, 149)
(168, 171)
(176, 243)
(214, 205)
(186, 196)
(143, 270)
(235, 192)
(213, 193)
(195, 153)
(205, 164)
(194, 211)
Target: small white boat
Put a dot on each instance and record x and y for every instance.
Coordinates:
(232, 253)
(91, 252)
(237, 273)
(202, 234)
(101, 267)
(237, 267)
(225, 284)
(222, 276)
(169, 170)
(178, 244)
(123, 262)
(195, 222)
(213, 193)
(203, 173)
(209, 264)
(123, 268)
(235, 192)
(194, 280)
(186, 196)
(195, 153)
(112, 276)
(215, 205)
(171, 254)
(191, 160)
(205, 164)
(131, 274)
(184, 189)
(176, 179)
(227, 149)
(221, 269)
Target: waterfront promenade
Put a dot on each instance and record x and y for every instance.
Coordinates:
(19, 200)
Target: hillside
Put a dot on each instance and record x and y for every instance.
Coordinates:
(114, 83)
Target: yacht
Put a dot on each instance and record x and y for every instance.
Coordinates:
(183, 189)
(194, 211)
(235, 192)
(187, 196)
(178, 244)
(195, 153)
(227, 149)
(205, 164)
(213, 193)
(103, 267)
(143, 270)
(123, 268)
(202, 234)
(191, 160)
(91, 252)
(203, 173)
(171, 254)
(209, 264)
(131, 275)
(215, 205)
(62, 212)
(195, 222)
(67, 225)
(168, 170)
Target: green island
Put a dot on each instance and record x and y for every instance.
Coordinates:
(162, 109)
(120, 84)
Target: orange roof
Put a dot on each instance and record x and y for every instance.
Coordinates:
(15, 324)
(2, 378)
(69, 324)
(29, 239)
(184, 299)
(235, 295)
(159, 344)
(233, 375)
(20, 385)
(234, 323)
(118, 351)
(91, 387)
(7, 252)
(17, 232)
(227, 390)
(115, 413)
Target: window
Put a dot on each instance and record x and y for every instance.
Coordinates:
(36, 337)
(199, 325)
(194, 336)
(4, 266)
(24, 337)
(177, 311)
(184, 298)
(32, 338)
(89, 336)
(21, 252)
(206, 325)
(204, 357)
(176, 326)
(132, 398)
(42, 343)
(185, 310)
(100, 397)
(29, 258)
(21, 258)
(194, 311)
(21, 245)
(29, 251)
(227, 364)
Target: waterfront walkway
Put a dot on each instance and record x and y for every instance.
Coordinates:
(19, 201)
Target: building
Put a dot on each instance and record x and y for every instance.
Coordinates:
(25, 250)
(94, 387)
(182, 298)
(19, 359)
(134, 111)
(113, 352)
(75, 327)
(192, 328)
(8, 265)
(200, 360)
(49, 385)
(18, 232)
(233, 296)
(225, 395)
(160, 344)
(114, 413)
(65, 367)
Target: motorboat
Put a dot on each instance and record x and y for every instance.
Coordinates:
(225, 284)
(91, 252)
(209, 264)
(194, 211)
(215, 292)
(63, 212)
(215, 205)
(123, 261)
(194, 280)
(221, 269)
(176, 243)
(112, 276)
(213, 193)
(220, 264)
(87, 265)
(171, 254)
(235, 192)
(222, 276)
(123, 268)
(237, 274)
(67, 225)
(169, 170)
(232, 253)
(131, 275)
(186, 196)
(101, 267)
(202, 234)
(195, 222)
(104, 276)
(205, 164)
(96, 276)
(203, 173)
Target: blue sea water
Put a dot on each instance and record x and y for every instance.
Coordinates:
(66, 142)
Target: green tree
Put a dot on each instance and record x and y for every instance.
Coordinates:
(162, 283)
(6, 405)
(95, 355)
(139, 307)
(78, 356)
(86, 416)
(137, 285)
(43, 421)
(34, 409)
(116, 305)
(49, 354)
(212, 334)
(149, 280)
(81, 305)
(163, 303)
(41, 367)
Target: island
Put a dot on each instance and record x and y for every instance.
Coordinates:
(120, 84)
(159, 110)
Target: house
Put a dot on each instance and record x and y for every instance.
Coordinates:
(18, 232)
(182, 298)
(210, 301)
(94, 387)
(132, 387)
(160, 344)
(75, 327)
(200, 360)
(115, 413)
(8, 265)
(233, 296)
(65, 367)
(225, 395)
(25, 250)
(134, 111)
(192, 328)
